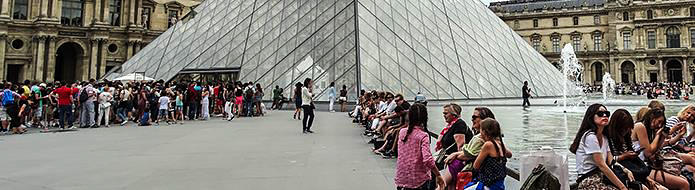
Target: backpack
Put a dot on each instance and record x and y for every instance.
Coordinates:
(7, 97)
(84, 95)
(249, 93)
(541, 178)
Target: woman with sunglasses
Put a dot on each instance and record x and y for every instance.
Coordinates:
(592, 152)
(650, 134)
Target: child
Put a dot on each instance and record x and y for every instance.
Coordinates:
(179, 106)
(163, 107)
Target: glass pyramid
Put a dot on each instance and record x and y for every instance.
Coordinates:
(449, 49)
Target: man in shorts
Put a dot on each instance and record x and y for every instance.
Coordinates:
(4, 116)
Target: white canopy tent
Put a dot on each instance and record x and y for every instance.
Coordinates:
(134, 77)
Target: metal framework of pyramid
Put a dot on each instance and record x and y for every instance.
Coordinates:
(445, 49)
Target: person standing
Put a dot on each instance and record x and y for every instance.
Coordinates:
(105, 99)
(87, 114)
(343, 98)
(415, 164)
(298, 101)
(205, 104)
(331, 96)
(307, 106)
(526, 94)
(64, 105)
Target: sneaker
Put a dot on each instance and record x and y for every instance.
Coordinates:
(72, 127)
(310, 131)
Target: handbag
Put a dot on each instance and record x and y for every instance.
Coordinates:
(623, 174)
(639, 170)
(441, 155)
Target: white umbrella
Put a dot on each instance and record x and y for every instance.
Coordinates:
(133, 77)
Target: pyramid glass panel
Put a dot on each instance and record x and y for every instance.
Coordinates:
(445, 49)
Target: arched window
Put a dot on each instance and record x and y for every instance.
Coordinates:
(72, 13)
(673, 37)
(626, 16)
(20, 9)
(575, 20)
(115, 12)
(650, 14)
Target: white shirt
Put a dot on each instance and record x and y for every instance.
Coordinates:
(587, 146)
(306, 96)
(163, 102)
(105, 99)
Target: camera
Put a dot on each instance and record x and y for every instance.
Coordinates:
(666, 130)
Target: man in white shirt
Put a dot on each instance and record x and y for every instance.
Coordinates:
(105, 99)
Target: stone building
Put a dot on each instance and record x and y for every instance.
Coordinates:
(633, 40)
(63, 40)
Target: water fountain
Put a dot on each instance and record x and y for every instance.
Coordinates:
(571, 70)
(607, 86)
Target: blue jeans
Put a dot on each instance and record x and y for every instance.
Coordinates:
(65, 112)
(249, 107)
(121, 114)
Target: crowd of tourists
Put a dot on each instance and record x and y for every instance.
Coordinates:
(93, 104)
(399, 130)
(647, 150)
(652, 90)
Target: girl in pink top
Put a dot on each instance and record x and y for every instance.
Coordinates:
(415, 162)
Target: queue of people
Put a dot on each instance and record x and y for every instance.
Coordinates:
(92, 104)
(399, 130)
(646, 151)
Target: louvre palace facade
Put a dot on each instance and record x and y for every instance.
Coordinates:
(51, 40)
(633, 40)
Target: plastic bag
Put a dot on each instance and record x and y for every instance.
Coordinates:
(555, 163)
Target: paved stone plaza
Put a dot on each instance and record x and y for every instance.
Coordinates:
(249, 153)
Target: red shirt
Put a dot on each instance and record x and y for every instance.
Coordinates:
(64, 95)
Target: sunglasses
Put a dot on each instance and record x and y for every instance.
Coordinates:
(603, 114)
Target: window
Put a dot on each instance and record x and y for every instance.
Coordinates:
(20, 9)
(597, 19)
(626, 16)
(692, 11)
(173, 17)
(627, 40)
(577, 42)
(71, 13)
(651, 39)
(516, 24)
(536, 42)
(115, 12)
(692, 38)
(555, 22)
(535, 23)
(650, 14)
(575, 20)
(673, 37)
(556, 43)
(597, 41)
(146, 11)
